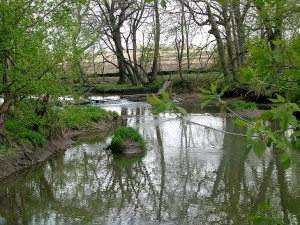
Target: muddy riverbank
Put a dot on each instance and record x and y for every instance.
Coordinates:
(26, 157)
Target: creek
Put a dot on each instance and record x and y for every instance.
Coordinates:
(188, 175)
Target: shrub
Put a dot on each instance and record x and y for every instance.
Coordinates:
(122, 134)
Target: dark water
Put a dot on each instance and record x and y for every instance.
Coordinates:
(189, 175)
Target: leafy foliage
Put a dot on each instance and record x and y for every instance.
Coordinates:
(164, 103)
(274, 71)
(264, 216)
(125, 133)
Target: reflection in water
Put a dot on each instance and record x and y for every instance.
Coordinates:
(190, 175)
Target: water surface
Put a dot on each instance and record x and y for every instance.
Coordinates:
(189, 175)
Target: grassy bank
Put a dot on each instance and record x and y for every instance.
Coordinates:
(26, 128)
(188, 82)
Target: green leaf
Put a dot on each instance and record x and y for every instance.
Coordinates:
(163, 3)
(170, 105)
(210, 97)
(285, 160)
(284, 122)
(278, 42)
(279, 99)
(278, 221)
(258, 148)
(241, 123)
(181, 110)
(159, 109)
(272, 136)
(259, 3)
(165, 96)
(213, 87)
(154, 100)
(204, 91)
(267, 115)
(296, 134)
(224, 89)
(292, 120)
(204, 104)
(250, 133)
(247, 151)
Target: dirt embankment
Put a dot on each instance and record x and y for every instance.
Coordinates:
(25, 158)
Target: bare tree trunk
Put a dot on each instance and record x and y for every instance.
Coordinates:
(120, 56)
(180, 45)
(240, 30)
(220, 46)
(229, 42)
(187, 32)
(155, 65)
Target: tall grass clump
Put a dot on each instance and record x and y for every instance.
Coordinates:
(123, 134)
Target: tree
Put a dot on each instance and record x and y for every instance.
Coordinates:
(83, 37)
(32, 47)
(113, 17)
(155, 65)
(227, 22)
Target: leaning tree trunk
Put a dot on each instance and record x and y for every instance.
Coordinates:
(120, 57)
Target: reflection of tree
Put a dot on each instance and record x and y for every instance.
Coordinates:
(162, 173)
(16, 202)
(235, 188)
(189, 183)
(230, 176)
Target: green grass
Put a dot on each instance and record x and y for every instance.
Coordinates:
(18, 132)
(192, 81)
(24, 126)
(239, 105)
(108, 87)
(76, 116)
(122, 134)
(21, 125)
